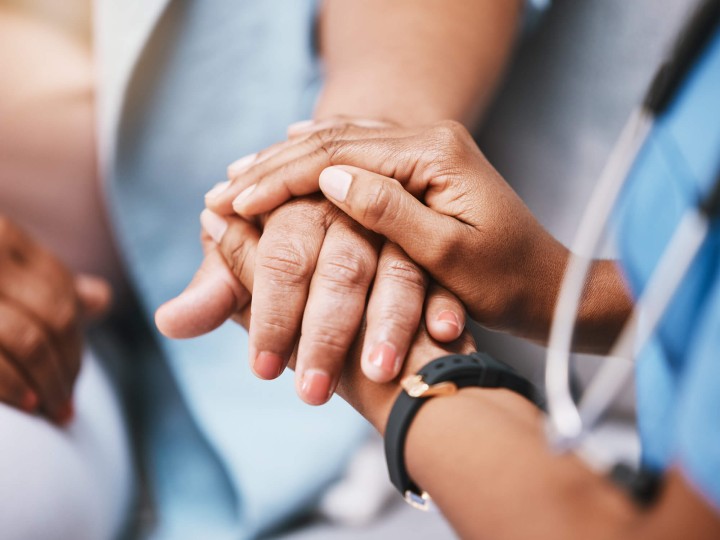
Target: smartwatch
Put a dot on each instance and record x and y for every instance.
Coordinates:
(442, 377)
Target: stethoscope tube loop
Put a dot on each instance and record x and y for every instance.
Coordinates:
(567, 423)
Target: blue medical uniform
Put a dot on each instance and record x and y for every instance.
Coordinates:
(678, 373)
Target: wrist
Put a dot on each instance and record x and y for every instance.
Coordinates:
(440, 379)
(374, 401)
(604, 306)
(444, 419)
(534, 305)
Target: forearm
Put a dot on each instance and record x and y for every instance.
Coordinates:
(495, 477)
(414, 62)
(605, 305)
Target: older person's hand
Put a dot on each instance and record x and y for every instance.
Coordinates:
(41, 310)
(314, 271)
(311, 278)
(220, 289)
(433, 193)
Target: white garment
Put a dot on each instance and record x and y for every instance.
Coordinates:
(66, 484)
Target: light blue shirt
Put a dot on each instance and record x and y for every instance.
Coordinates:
(678, 375)
(228, 455)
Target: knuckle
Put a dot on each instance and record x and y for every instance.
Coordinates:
(331, 339)
(404, 272)
(310, 211)
(273, 322)
(64, 315)
(398, 322)
(329, 141)
(31, 346)
(379, 204)
(236, 256)
(284, 264)
(347, 270)
(449, 131)
(449, 141)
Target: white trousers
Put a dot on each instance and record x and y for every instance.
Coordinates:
(72, 483)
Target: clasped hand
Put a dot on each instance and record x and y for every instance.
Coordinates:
(404, 208)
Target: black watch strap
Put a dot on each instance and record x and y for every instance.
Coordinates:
(443, 376)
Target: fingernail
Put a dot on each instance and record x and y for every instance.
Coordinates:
(315, 386)
(384, 357)
(238, 203)
(241, 165)
(65, 414)
(300, 126)
(30, 401)
(217, 190)
(268, 365)
(213, 224)
(449, 318)
(335, 183)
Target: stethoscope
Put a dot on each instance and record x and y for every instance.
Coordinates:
(568, 423)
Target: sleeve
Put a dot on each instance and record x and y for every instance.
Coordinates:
(697, 424)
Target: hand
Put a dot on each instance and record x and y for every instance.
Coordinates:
(41, 309)
(472, 234)
(220, 291)
(311, 272)
(475, 236)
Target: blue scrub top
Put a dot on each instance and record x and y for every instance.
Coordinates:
(678, 373)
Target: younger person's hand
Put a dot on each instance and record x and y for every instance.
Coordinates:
(316, 275)
(433, 193)
(41, 310)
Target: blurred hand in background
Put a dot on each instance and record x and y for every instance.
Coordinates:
(42, 309)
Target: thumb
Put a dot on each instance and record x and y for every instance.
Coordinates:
(211, 298)
(382, 205)
(94, 294)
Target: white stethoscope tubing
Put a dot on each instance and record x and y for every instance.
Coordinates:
(568, 423)
(664, 282)
(565, 422)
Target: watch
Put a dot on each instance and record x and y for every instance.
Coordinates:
(442, 377)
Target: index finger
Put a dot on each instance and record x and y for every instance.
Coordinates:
(293, 168)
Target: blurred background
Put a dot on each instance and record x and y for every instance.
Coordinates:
(73, 16)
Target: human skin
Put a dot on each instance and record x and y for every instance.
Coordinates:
(509, 485)
(51, 231)
(475, 236)
(311, 258)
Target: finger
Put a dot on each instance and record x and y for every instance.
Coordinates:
(444, 314)
(44, 288)
(382, 205)
(285, 261)
(293, 169)
(14, 390)
(215, 294)
(27, 345)
(39, 285)
(95, 295)
(393, 313)
(240, 166)
(334, 310)
(305, 127)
